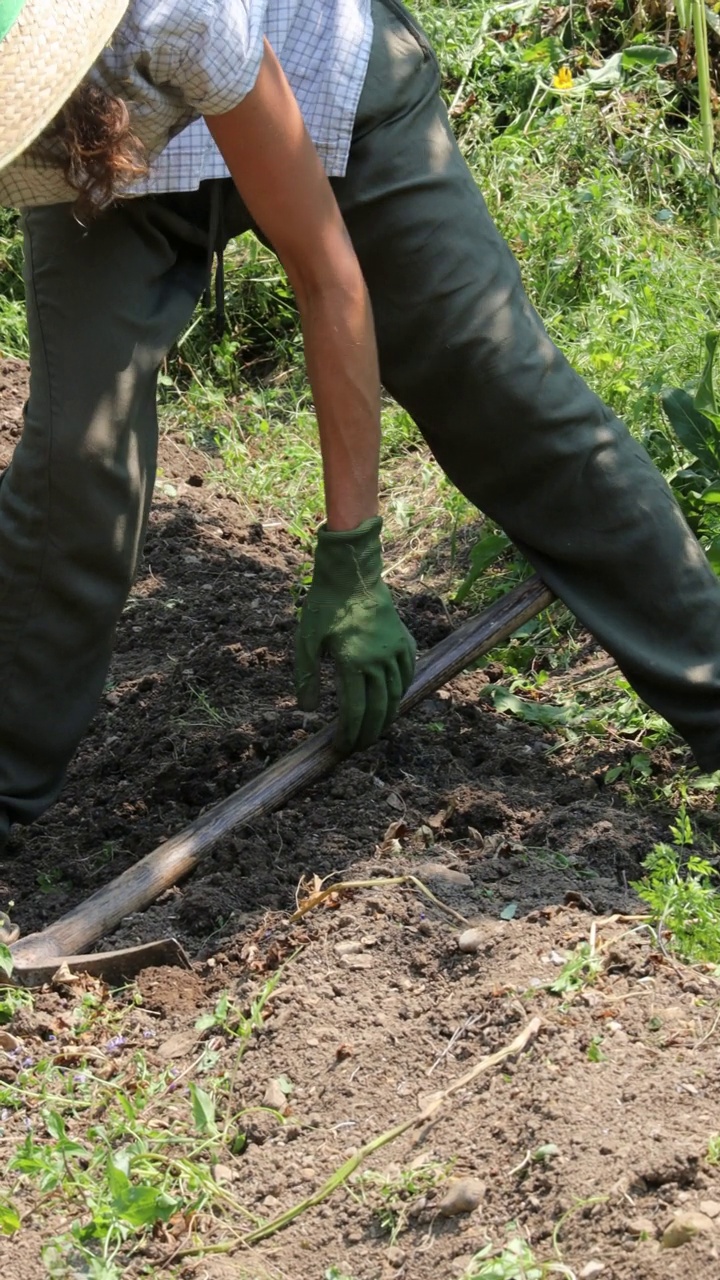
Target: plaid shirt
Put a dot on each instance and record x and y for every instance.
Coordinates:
(174, 61)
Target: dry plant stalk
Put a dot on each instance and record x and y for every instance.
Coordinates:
(426, 1113)
(319, 896)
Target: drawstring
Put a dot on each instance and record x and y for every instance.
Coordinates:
(216, 249)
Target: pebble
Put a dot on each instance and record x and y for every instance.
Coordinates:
(470, 941)
(462, 1196)
(684, 1227)
(9, 1043)
(592, 1268)
(462, 1264)
(223, 1173)
(275, 1097)
(711, 1208)
(395, 1256)
(641, 1227)
(363, 961)
(350, 947)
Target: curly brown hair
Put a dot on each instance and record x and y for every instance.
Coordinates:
(93, 140)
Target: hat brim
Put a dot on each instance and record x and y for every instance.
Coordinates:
(43, 58)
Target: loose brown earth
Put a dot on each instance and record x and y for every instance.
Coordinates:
(487, 812)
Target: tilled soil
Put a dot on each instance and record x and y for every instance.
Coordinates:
(496, 817)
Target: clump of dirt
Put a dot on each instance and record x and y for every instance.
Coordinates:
(508, 827)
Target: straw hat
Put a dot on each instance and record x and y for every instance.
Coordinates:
(46, 47)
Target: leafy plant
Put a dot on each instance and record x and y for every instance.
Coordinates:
(680, 891)
(6, 960)
(713, 1149)
(580, 970)
(514, 1261)
(230, 1019)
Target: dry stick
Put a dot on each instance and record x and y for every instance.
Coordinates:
(316, 899)
(341, 1175)
(142, 883)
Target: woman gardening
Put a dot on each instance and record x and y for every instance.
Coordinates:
(137, 139)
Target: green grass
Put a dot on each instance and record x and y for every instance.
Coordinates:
(515, 1260)
(120, 1151)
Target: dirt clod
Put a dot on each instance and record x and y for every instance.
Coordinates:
(462, 1196)
(685, 1225)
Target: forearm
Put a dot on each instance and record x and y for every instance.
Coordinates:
(342, 367)
(279, 176)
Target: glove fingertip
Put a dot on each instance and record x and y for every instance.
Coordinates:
(307, 692)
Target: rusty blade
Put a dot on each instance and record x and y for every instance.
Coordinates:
(114, 967)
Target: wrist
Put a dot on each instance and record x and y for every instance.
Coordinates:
(348, 558)
(366, 531)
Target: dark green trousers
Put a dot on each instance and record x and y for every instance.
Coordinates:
(460, 347)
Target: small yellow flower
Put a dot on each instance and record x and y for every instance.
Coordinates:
(562, 78)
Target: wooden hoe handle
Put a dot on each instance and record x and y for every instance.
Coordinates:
(142, 883)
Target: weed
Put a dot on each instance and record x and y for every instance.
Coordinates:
(146, 1152)
(580, 970)
(229, 1018)
(713, 1149)
(50, 881)
(396, 1194)
(594, 1051)
(205, 713)
(12, 999)
(680, 890)
(515, 1260)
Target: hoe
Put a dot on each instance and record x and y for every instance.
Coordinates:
(66, 943)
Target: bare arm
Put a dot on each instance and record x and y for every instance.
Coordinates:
(279, 176)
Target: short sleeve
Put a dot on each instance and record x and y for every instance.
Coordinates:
(219, 53)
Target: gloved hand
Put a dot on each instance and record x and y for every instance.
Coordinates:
(349, 614)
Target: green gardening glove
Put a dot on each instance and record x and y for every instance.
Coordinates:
(349, 614)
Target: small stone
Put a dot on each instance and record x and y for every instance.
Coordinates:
(684, 1227)
(271, 1204)
(643, 1228)
(9, 1043)
(363, 961)
(275, 1097)
(223, 1173)
(711, 1208)
(470, 941)
(592, 1268)
(462, 1263)
(308, 1174)
(438, 871)
(395, 1256)
(462, 1196)
(349, 947)
(178, 1045)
